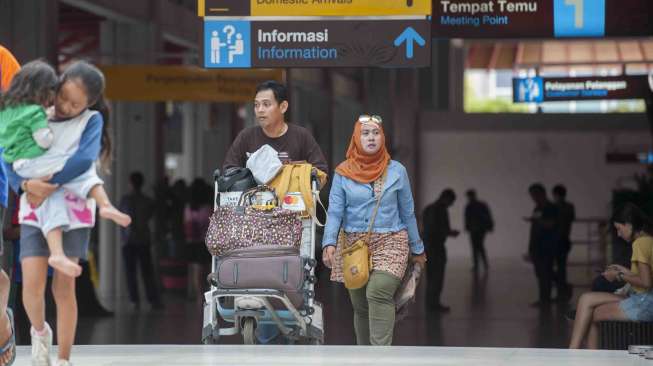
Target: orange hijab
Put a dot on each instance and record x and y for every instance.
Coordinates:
(359, 166)
(8, 68)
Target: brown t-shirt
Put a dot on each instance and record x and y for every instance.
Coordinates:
(297, 144)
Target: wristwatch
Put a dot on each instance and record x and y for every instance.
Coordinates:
(620, 276)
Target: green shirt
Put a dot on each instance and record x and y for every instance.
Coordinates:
(17, 123)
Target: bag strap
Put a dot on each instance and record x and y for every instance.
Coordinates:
(378, 203)
(318, 204)
(246, 197)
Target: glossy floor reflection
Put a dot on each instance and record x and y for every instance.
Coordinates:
(489, 311)
(486, 311)
(337, 355)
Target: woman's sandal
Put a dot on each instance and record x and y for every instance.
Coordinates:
(11, 342)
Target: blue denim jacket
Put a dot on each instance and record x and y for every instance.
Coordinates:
(351, 205)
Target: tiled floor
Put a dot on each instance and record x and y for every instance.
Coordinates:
(490, 311)
(338, 355)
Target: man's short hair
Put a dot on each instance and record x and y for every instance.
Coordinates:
(448, 194)
(137, 180)
(537, 188)
(471, 193)
(560, 190)
(279, 90)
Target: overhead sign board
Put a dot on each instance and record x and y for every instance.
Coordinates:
(313, 7)
(538, 89)
(183, 83)
(234, 43)
(541, 18)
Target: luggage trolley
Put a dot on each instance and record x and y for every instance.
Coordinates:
(246, 308)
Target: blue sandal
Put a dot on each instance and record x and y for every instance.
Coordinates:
(11, 342)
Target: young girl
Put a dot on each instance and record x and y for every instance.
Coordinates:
(635, 302)
(80, 85)
(25, 135)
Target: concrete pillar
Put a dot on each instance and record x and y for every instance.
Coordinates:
(29, 28)
(219, 133)
(440, 79)
(134, 127)
(310, 105)
(456, 76)
(188, 148)
(377, 94)
(203, 141)
(405, 146)
(212, 140)
(346, 107)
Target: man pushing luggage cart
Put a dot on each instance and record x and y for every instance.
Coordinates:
(291, 143)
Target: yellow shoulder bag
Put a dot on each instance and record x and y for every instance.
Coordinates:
(356, 261)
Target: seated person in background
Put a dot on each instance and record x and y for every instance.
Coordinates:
(634, 302)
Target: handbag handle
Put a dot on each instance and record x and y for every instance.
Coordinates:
(247, 195)
(376, 209)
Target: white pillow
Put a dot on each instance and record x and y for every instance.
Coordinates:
(264, 164)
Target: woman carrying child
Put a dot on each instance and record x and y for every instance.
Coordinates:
(49, 205)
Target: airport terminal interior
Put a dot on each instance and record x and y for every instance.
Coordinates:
(482, 97)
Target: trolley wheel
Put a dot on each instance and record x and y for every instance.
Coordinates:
(248, 331)
(210, 340)
(213, 337)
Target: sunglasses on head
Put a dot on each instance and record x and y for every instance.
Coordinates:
(364, 118)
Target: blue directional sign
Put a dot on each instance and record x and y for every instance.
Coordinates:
(579, 18)
(529, 90)
(409, 36)
(544, 89)
(317, 43)
(227, 44)
(542, 18)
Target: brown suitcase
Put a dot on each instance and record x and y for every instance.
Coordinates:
(277, 268)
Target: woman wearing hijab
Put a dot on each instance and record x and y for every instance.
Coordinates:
(367, 173)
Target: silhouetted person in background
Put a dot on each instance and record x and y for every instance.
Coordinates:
(136, 238)
(478, 222)
(566, 217)
(196, 222)
(436, 232)
(543, 241)
(162, 209)
(179, 197)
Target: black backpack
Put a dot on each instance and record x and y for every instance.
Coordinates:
(236, 179)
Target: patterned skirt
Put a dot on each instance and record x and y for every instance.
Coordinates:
(389, 252)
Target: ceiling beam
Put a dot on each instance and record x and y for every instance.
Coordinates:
(177, 24)
(496, 50)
